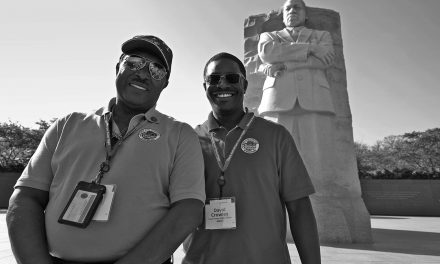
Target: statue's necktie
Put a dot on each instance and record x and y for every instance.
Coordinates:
(295, 35)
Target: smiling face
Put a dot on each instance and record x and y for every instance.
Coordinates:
(136, 88)
(225, 97)
(294, 13)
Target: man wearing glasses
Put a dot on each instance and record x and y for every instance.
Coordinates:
(120, 185)
(253, 171)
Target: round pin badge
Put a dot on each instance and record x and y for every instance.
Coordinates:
(250, 145)
(148, 134)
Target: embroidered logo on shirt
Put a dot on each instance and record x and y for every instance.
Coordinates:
(148, 134)
(250, 145)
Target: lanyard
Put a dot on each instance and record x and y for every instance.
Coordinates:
(221, 181)
(109, 151)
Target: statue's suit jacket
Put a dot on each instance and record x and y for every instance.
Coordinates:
(304, 79)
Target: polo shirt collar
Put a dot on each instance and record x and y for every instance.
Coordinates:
(151, 115)
(213, 124)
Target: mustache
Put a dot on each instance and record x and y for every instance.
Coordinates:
(292, 16)
(140, 80)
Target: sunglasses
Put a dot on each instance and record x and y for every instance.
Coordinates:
(135, 63)
(232, 78)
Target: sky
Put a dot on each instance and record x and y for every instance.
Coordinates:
(59, 56)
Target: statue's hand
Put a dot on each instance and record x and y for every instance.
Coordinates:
(274, 70)
(325, 55)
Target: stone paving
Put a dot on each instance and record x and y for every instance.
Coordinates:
(397, 240)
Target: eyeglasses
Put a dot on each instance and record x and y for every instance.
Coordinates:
(232, 78)
(135, 63)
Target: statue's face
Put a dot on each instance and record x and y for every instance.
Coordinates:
(294, 13)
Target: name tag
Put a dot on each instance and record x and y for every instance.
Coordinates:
(103, 211)
(82, 204)
(220, 214)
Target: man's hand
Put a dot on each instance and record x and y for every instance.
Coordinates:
(166, 236)
(325, 55)
(274, 70)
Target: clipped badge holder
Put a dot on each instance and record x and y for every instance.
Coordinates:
(220, 214)
(82, 204)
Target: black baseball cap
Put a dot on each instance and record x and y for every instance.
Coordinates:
(151, 44)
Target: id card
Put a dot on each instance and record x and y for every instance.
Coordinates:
(103, 211)
(220, 214)
(82, 204)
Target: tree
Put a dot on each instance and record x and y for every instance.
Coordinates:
(425, 149)
(364, 158)
(411, 155)
(18, 144)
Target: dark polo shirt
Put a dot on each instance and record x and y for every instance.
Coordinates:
(266, 171)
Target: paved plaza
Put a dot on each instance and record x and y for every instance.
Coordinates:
(397, 240)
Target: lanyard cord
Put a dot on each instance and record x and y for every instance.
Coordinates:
(109, 151)
(221, 181)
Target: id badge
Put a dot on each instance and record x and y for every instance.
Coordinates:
(82, 204)
(220, 214)
(104, 208)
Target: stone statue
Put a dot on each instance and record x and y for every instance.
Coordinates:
(303, 73)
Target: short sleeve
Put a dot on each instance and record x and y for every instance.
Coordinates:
(38, 172)
(295, 180)
(187, 177)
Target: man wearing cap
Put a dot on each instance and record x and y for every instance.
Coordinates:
(253, 171)
(147, 167)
